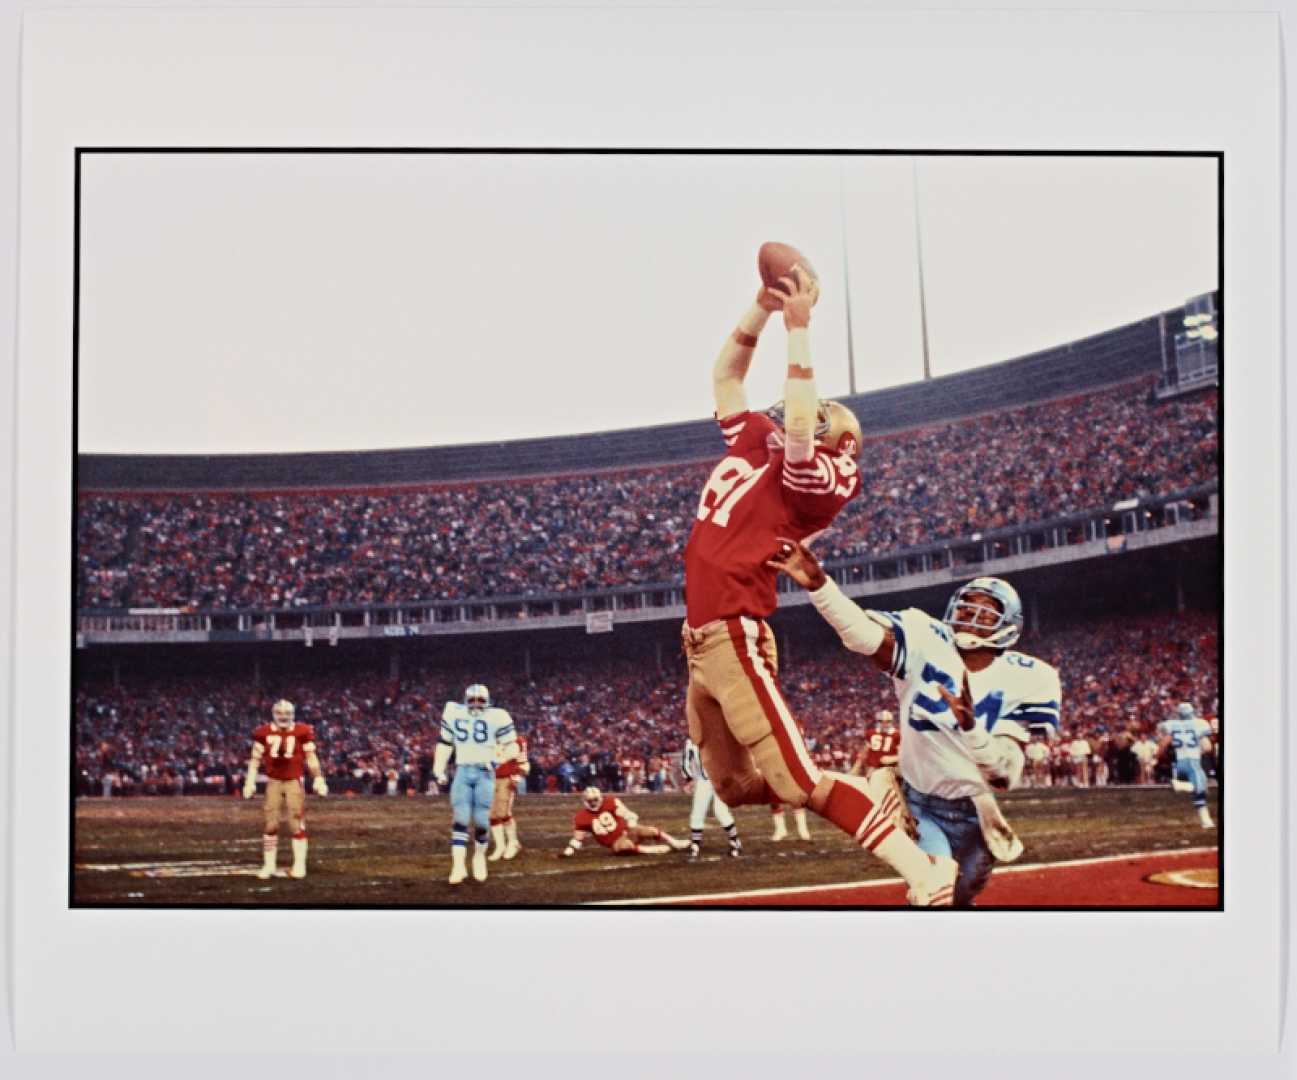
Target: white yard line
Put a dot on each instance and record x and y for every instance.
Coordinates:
(791, 890)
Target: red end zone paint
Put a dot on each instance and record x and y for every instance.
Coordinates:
(1108, 884)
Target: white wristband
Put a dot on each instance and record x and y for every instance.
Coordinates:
(858, 631)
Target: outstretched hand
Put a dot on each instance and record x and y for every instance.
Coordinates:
(795, 560)
(798, 294)
(769, 300)
(961, 706)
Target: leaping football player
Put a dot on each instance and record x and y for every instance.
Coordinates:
(476, 733)
(617, 828)
(1188, 734)
(788, 476)
(691, 767)
(509, 774)
(968, 705)
(286, 748)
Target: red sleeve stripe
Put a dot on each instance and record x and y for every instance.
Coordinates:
(811, 476)
(819, 487)
(812, 465)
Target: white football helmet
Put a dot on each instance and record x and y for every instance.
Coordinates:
(283, 713)
(1008, 611)
(885, 718)
(478, 698)
(592, 799)
(1185, 711)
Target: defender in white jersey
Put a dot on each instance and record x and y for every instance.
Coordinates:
(705, 797)
(473, 732)
(968, 705)
(1188, 734)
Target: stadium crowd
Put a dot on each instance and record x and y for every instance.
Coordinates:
(572, 533)
(618, 724)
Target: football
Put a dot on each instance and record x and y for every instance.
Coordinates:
(776, 260)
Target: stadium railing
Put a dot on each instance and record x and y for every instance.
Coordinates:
(1126, 526)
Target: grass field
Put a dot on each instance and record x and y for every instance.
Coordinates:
(377, 851)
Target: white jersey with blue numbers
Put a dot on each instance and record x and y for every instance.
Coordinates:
(476, 737)
(1186, 736)
(933, 757)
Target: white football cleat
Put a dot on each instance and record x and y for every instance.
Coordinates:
(265, 873)
(802, 831)
(1181, 785)
(511, 852)
(938, 890)
(496, 855)
(458, 865)
(479, 864)
(781, 830)
(298, 871)
(1204, 817)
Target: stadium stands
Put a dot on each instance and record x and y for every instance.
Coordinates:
(583, 531)
(148, 733)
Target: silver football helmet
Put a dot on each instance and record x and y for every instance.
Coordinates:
(477, 698)
(592, 799)
(974, 635)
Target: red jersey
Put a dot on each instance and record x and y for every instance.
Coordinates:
(605, 823)
(516, 764)
(753, 497)
(284, 750)
(880, 748)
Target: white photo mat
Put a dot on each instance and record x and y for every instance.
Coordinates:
(380, 980)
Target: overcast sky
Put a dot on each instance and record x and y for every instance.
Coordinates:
(255, 302)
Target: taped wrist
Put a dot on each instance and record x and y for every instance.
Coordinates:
(801, 406)
(858, 631)
(752, 322)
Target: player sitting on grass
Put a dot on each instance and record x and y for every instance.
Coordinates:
(617, 828)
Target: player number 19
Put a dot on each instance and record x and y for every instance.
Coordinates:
(604, 824)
